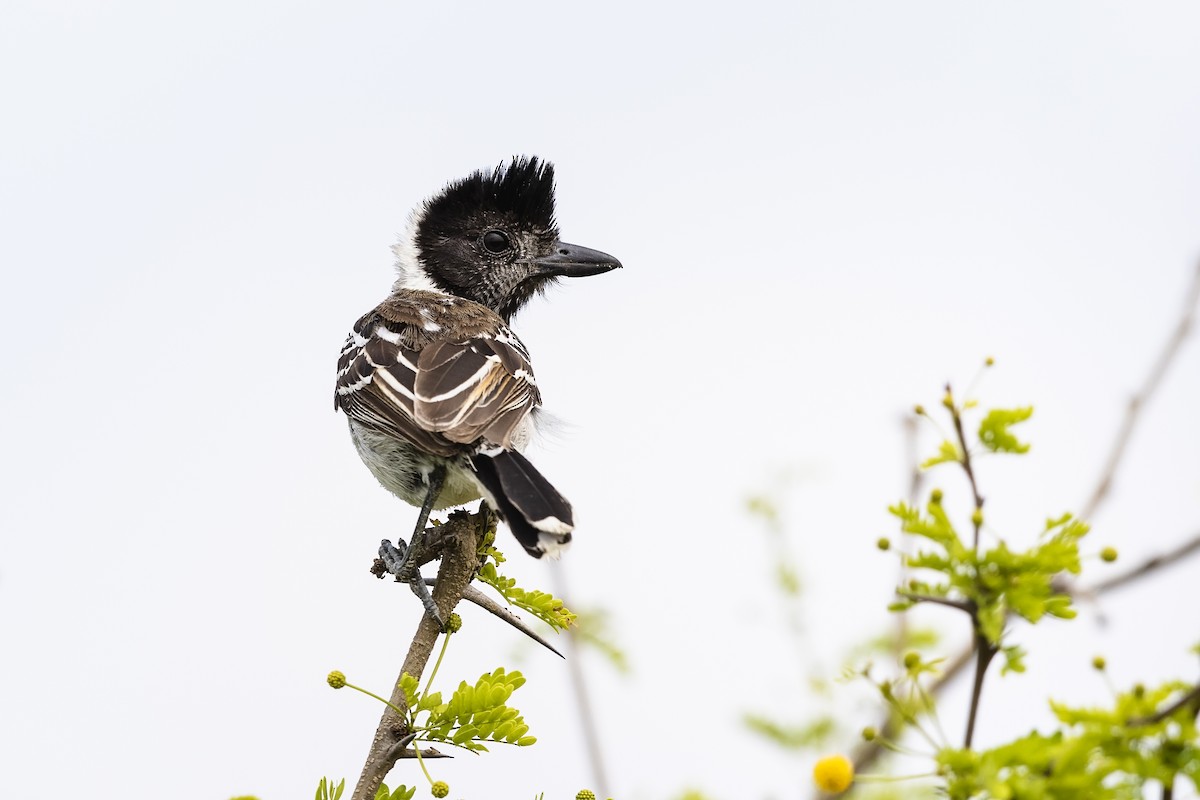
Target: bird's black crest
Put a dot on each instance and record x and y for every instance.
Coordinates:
(523, 188)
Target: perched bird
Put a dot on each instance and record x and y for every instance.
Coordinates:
(439, 392)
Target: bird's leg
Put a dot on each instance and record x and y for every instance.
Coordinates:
(399, 559)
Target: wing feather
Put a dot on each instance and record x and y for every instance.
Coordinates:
(446, 396)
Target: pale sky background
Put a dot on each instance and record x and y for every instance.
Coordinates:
(825, 211)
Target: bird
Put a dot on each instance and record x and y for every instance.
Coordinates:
(438, 390)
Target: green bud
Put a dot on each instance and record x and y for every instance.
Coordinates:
(911, 660)
(977, 517)
(935, 496)
(989, 361)
(919, 410)
(585, 794)
(454, 624)
(440, 789)
(883, 543)
(336, 679)
(1108, 555)
(869, 734)
(1098, 663)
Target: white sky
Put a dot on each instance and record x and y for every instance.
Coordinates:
(825, 211)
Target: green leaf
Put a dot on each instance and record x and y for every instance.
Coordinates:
(994, 433)
(1014, 659)
(947, 451)
(991, 622)
(410, 687)
(463, 734)
(788, 736)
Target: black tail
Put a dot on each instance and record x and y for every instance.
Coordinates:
(537, 514)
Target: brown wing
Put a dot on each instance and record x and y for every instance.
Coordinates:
(480, 388)
(443, 397)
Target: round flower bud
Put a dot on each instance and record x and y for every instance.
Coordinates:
(989, 361)
(919, 410)
(935, 496)
(883, 543)
(948, 400)
(833, 774)
(454, 624)
(911, 660)
(585, 794)
(336, 679)
(440, 789)
(977, 517)
(1108, 555)
(869, 734)
(1098, 663)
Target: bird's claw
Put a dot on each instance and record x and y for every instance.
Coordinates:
(397, 561)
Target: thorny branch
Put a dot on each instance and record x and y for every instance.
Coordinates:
(867, 753)
(457, 542)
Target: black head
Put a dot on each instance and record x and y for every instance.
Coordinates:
(491, 237)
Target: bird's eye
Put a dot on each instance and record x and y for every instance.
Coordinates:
(495, 242)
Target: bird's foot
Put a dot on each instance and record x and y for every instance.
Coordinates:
(397, 560)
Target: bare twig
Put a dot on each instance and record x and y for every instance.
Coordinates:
(966, 462)
(458, 541)
(985, 651)
(1152, 564)
(961, 605)
(579, 690)
(1139, 399)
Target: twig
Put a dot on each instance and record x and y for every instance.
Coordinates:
(915, 478)
(1138, 401)
(1151, 564)
(1189, 697)
(985, 651)
(579, 690)
(867, 753)
(458, 541)
(961, 605)
(966, 462)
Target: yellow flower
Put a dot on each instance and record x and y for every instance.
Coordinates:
(336, 679)
(833, 774)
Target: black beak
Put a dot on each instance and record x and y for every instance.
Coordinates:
(573, 261)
